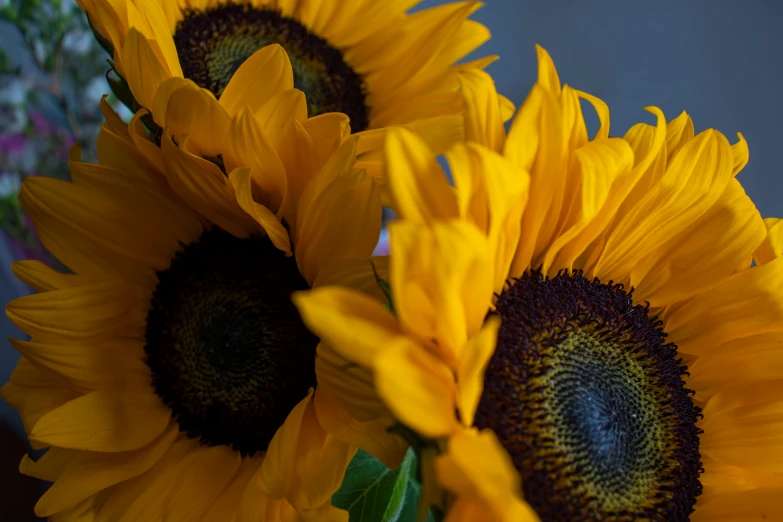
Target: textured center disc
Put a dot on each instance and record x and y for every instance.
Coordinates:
(214, 42)
(227, 350)
(589, 401)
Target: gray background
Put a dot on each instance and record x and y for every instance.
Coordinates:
(717, 59)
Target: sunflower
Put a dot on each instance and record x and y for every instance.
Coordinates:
(169, 375)
(369, 60)
(578, 329)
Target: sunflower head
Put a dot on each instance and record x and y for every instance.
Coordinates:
(585, 307)
(374, 62)
(170, 369)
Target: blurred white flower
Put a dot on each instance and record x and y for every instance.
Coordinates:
(77, 41)
(40, 51)
(15, 91)
(10, 183)
(94, 91)
(13, 120)
(66, 6)
(125, 113)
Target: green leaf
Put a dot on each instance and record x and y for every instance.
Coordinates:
(371, 492)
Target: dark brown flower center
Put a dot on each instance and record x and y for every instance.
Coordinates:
(589, 401)
(227, 349)
(214, 42)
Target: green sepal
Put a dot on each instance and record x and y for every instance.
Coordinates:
(154, 131)
(102, 40)
(385, 288)
(120, 88)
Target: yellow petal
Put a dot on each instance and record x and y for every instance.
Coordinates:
(156, 28)
(719, 479)
(143, 68)
(643, 139)
(321, 463)
(467, 509)
(33, 394)
(195, 112)
(266, 73)
(209, 472)
(693, 182)
(441, 283)
(547, 73)
(110, 19)
(250, 148)
(104, 421)
(483, 118)
(278, 469)
(113, 124)
(41, 277)
(225, 507)
(53, 464)
(606, 177)
(372, 436)
(342, 223)
(357, 273)
(339, 164)
(439, 132)
(476, 467)
(428, 31)
(492, 194)
(732, 229)
(507, 108)
(299, 158)
(163, 95)
(327, 131)
(352, 385)
(541, 121)
(355, 325)
(89, 366)
(471, 372)
(746, 304)
(679, 131)
(143, 144)
(84, 312)
(740, 153)
(240, 178)
(135, 182)
(89, 473)
(468, 37)
(279, 110)
(740, 506)
(742, 426)
(524, 136)
(602, 110)
(96, 215)
(745, 360)
(84, 511)
(417, 387)
(573, 118)
(205, 188)
(420, 190)
(772, 246)
(144, 497)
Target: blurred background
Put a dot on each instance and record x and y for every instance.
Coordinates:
(720, 60)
